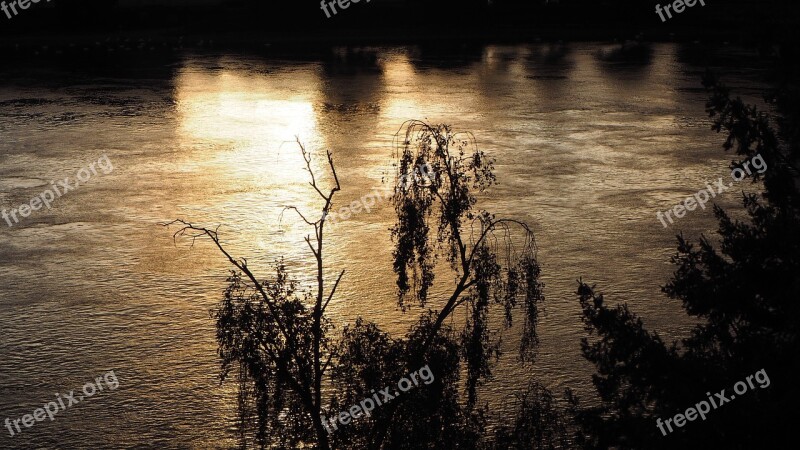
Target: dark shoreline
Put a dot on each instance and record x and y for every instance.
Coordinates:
(233, 26)
(250, 41)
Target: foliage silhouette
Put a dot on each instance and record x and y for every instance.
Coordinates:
(743, 290)
(292, 370)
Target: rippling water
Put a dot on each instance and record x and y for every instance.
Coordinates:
(587, 151)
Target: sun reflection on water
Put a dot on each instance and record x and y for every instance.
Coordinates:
(240, 130)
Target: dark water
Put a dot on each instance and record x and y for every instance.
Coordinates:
(587, 150)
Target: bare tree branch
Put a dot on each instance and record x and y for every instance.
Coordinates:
(333, 291)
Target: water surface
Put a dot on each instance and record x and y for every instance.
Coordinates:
(587, 151)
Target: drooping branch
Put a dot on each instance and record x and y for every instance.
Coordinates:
(468, 279)
(446, 200)
(459, 169)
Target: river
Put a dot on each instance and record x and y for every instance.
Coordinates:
(587, 150)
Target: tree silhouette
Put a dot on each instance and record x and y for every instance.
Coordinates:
(292, 371)
(277, 344)
(743, 290)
